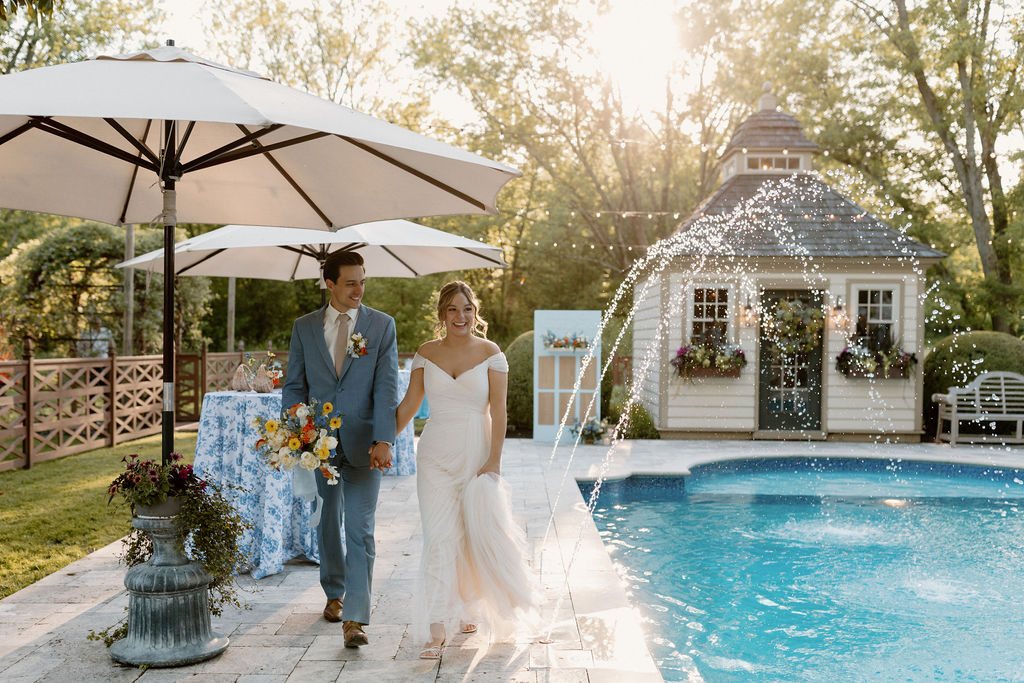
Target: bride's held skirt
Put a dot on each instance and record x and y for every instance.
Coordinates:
(474, 553)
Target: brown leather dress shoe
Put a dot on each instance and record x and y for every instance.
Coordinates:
(354, 635)
(333, 610)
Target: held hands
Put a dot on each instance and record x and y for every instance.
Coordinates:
(380, 456)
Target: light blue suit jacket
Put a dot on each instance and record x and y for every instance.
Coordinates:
(367, 391)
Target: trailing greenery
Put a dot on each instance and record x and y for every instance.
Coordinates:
(520, 383)
(958, 359)
(57, 512)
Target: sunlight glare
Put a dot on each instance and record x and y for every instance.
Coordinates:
(637, 43)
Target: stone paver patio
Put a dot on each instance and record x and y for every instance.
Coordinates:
(596, 635)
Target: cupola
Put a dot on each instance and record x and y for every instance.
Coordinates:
(768, 141)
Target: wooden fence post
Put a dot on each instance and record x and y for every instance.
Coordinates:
(112, 378)
(29, 412)
(202, 375)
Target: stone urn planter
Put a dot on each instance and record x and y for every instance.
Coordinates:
(168, 600)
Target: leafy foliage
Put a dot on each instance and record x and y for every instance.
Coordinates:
(62, 287)
(72, 31)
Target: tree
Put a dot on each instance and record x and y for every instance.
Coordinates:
(73, 31)
(9, 8)
(341, 50)
(596, 170)
(61, 288)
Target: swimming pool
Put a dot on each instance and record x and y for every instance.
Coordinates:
(814, 569)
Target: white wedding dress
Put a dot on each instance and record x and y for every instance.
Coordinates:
(474, 566)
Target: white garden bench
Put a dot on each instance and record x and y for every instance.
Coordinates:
(991, 397)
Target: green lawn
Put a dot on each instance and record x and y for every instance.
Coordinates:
(57, 512)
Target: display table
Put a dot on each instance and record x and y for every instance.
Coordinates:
(263, 496)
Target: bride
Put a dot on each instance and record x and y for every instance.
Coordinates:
(473, 561)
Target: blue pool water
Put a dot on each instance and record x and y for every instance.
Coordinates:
(824, 569)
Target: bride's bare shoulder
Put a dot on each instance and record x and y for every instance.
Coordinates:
(490, 347)
(428, 348)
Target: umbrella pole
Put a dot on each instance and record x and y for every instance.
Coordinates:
(170, 222)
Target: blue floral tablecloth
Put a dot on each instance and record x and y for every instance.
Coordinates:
(281, 529)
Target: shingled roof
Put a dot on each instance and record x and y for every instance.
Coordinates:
(770, 129)
(823, 222)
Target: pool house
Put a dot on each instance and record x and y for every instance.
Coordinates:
(787, 310)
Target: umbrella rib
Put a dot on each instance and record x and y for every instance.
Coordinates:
(265, 150)
(419, 174)
(502, 264)
(205, 258)
(184, 141)
(60, 130)
(143, 150)
(256, 149)
(397, 258)
(131, 183)
(27, 126)
(201, 162)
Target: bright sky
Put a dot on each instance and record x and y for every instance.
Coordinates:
(636, 40)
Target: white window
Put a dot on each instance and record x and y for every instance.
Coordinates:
(876, 325)
(773, 163)
(709, 322)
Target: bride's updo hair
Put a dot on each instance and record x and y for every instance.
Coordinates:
(444, 298)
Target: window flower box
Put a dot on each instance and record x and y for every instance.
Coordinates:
(878, 373)
(709, 361)
(711, 372)
(859, 362)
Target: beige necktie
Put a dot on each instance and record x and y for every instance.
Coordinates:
(341, 343)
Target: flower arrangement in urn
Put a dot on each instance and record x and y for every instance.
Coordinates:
(303, 436)
(857, 360)
(591, 431)
(709, 359)
(794, 327)
(208, 527)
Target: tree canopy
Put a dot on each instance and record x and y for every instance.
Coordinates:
(916, 105)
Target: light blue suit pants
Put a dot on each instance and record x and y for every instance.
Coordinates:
(353, 500)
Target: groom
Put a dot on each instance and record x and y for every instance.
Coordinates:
(346, 354)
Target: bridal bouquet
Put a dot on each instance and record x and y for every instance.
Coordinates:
(301, 437)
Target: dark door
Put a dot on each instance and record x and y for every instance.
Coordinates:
(789, 384)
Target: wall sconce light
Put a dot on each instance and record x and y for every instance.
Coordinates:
(838, 320)
(749, 315)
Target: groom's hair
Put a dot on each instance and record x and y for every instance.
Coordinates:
(337, 259)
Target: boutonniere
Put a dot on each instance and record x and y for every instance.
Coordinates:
(356, 346)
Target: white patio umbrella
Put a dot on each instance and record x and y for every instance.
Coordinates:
(394, 248)
(163, 135)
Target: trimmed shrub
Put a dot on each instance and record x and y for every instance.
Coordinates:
(520, 383)
(616, 399)
(640, 426)
(958, 359)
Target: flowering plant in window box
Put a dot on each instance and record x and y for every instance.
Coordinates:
(857, 360)
(702, 360)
